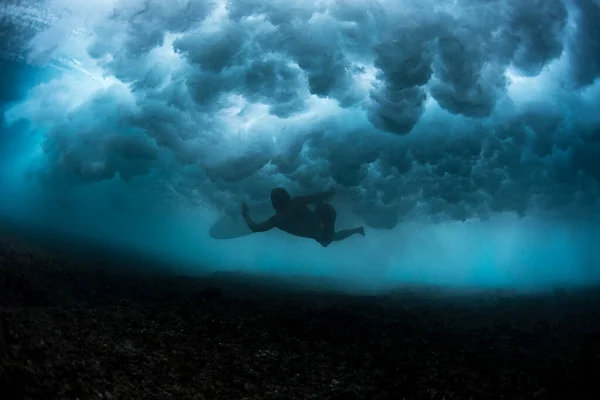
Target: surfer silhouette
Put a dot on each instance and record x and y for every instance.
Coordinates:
(292, 215)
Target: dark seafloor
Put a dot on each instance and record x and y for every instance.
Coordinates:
(74, 325)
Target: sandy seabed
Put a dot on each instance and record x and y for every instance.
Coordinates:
(76, 329)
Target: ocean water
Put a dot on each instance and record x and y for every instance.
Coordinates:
(463, 135)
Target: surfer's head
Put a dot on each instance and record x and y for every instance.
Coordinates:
(280, 199)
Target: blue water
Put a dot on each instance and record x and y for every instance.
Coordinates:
(466, 139)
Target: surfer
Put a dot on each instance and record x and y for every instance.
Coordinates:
(292, 215)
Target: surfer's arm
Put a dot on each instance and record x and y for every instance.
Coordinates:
(315, 198)
(257, 226)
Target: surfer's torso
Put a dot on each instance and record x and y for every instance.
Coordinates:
(300, 220)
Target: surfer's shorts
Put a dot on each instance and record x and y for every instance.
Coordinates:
(328, 216)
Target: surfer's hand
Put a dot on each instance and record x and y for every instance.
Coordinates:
(244, 209)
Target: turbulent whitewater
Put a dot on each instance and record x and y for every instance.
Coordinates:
(463, 134)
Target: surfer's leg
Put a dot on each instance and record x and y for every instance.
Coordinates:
(329, 215)
(346, 233)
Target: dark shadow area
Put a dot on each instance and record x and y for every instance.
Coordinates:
(84, 250)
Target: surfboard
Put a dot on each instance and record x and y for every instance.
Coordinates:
(228, 228)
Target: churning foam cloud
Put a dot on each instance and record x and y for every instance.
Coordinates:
(435, 120)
